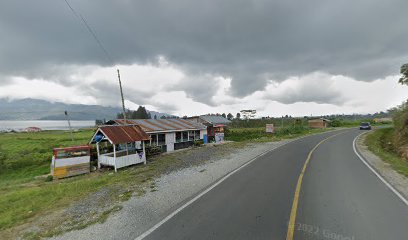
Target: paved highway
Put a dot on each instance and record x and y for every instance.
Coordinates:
(336, 197)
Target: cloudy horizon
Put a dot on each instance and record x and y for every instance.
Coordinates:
(193, 57)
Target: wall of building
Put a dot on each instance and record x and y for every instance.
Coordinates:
(177, 140)
(317, 124)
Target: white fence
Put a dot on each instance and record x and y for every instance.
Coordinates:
(122, 161)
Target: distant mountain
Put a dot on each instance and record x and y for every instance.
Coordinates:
(35, 109)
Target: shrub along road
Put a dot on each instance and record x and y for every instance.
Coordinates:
(338, 198)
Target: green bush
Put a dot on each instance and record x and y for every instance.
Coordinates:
(152, 150)
(336, 123)
(198, 143)
(49, 178)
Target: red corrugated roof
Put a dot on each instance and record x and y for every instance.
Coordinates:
(124, 134)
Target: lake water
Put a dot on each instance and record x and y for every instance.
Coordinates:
(44, 125)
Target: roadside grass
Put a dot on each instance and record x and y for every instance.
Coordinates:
(19, 205)
(258, 134)
(379, 142)
(24, 197)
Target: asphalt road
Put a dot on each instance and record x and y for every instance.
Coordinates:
(340, 198)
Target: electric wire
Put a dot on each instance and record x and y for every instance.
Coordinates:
(91, 31)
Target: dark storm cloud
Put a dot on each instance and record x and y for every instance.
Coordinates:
(249, 41)
(107, 93)
(199, 88)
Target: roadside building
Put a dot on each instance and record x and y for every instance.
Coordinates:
(120, 146)
(32, 129)
(319, 123)
(168, 134)
(215, 126)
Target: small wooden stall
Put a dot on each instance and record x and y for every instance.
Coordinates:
(70, 161)
(120, 146)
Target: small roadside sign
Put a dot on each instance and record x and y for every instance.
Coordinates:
(270, 128)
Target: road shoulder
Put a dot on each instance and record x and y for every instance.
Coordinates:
(397, 180)
(169, 192)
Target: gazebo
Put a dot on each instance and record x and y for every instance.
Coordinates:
(120, 146)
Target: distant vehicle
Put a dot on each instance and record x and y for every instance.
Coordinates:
(365, 126)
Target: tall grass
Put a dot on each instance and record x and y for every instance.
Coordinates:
(380, 143)
(259, 134)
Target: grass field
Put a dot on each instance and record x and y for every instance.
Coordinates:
(25, 156)
(379, 142)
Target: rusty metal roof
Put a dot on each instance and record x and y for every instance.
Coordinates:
(161, 125)
(124, 133)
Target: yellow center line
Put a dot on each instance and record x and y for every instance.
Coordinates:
(292, 219)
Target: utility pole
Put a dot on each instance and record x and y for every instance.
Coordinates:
(69, 125)
(123, 100)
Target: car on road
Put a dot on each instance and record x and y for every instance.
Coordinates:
(365, 126)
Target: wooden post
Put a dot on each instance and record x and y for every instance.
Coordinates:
(123, 100)
(144, 152)
(114, 157)
(97, 150)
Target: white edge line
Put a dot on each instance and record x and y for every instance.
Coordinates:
(377, 174)
(171, 215)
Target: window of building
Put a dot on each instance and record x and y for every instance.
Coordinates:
(154, 139)
(190, 135)
(161, 139)
(178, 137)
(197, 134)
(185, 136)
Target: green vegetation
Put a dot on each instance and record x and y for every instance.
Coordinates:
(288, 122)
(257, 123)
(380, 142)
(140, 113)
(26, 155)
(258, 134)
(404, 74)
(21, 202)
(400, 118)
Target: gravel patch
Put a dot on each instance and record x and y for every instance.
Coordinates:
(398, 181)
(205, 166)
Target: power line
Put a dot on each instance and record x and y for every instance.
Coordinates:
(108, 56)
(88, 27)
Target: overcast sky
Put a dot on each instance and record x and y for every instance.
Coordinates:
(190, 57)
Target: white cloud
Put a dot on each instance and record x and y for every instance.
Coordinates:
(160, 87)
(41, 89)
